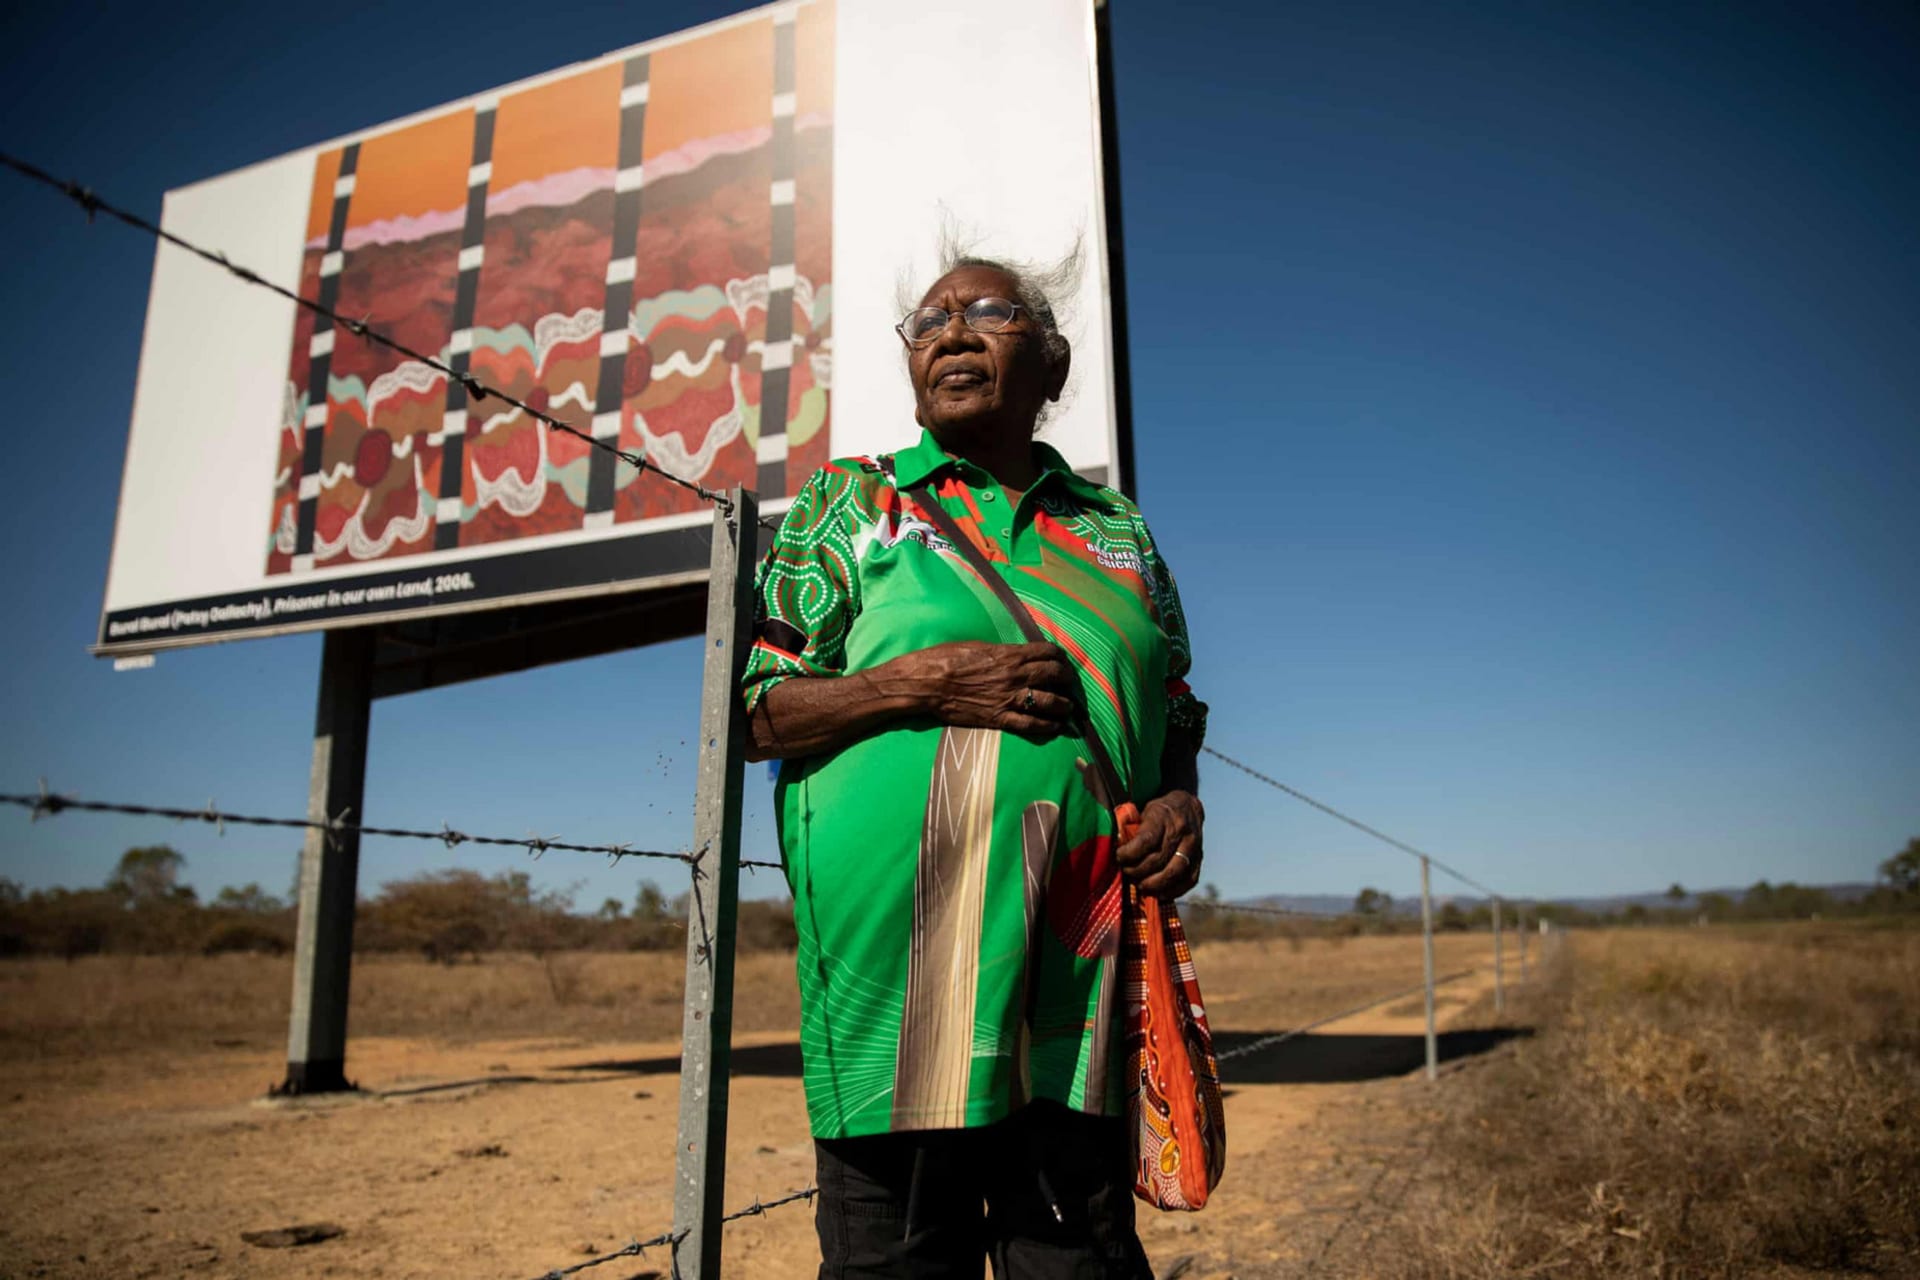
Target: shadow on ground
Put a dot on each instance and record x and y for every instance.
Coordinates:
(1345, 1059)
(1308, 1059)
(778, 1060)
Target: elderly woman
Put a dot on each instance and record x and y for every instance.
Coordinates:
(955, 878)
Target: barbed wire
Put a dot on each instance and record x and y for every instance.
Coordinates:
(477, 390)
(1268, 1042)
(636, 1248)
(1355, 823)
(1249, 909)
(46, 804)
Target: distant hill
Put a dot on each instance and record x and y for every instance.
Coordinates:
(1330, 904)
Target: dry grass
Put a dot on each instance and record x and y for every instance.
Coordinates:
(112, 1004)
(109, 1004)
(1726, 1102)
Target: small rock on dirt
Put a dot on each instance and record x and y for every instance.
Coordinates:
(293, 1237)
(492, 1151)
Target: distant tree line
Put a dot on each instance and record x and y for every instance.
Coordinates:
(449, 916)
(455, 915)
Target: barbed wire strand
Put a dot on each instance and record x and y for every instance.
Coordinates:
(1355, 823)
(46, 804)
(93, 203)
(1268, 1042)
(636, 1248)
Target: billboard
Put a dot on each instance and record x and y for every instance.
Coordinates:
(690, 249)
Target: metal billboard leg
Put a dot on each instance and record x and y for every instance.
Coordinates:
(330, 868)
(700, 1151)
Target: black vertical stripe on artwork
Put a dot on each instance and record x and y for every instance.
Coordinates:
(783, 59)
(619, 303)
(779, 316)
(633, 119)
(482, 136)
(446, 533)
(600, 483)
(619, 298)
(303, 537)
(313, 442)
(626, 223)
(613, 373)
(632, 132)
(773, 409)
(782, 235)
(773, 478)
(465, 294)
(476, 208)
(337, 229)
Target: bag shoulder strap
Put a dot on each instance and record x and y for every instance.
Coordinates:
(928, 504)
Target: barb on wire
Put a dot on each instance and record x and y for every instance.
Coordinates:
(632, 1249)
(1267, 1042)
(754, 864)
(1355, 823)
(46, 804)
(635, 1248)
(477, 390)
(756, 1208)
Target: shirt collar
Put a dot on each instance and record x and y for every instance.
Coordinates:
(912, 465)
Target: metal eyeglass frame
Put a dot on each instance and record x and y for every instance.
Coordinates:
(1014, 309)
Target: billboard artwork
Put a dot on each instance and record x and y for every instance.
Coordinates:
(622, 248)
(689, 250)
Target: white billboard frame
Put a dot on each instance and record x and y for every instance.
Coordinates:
(1035, 176)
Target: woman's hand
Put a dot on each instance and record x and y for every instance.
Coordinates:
(1022, 688)
(1163, 857)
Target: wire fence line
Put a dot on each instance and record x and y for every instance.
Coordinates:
(477, 390)
(45, 804)
(637, 1248)
(1355, 823)
(1268, 1042)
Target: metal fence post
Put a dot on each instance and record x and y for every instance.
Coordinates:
(330, 868)
(1426, 931)
(1521, 922)
(1499, 971)
(700, 1150)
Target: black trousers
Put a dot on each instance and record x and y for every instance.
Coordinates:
(928, 1206)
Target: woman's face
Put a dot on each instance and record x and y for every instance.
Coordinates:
(967, 383)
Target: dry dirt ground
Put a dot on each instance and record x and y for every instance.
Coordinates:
(507, 1157)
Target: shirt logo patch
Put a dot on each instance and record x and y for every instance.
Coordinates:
(1119, 558)
(910, 528)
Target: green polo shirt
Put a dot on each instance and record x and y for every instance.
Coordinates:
(955, 889)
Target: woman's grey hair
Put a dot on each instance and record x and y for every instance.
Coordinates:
(1048, 289)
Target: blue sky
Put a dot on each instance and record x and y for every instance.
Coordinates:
(1528, 398)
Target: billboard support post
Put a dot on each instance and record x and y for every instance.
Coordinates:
(700, 1150)
(330, 868)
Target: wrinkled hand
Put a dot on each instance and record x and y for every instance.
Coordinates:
(1163, 857)
(1022, 688)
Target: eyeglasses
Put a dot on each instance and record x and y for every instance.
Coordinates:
(983, 315)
